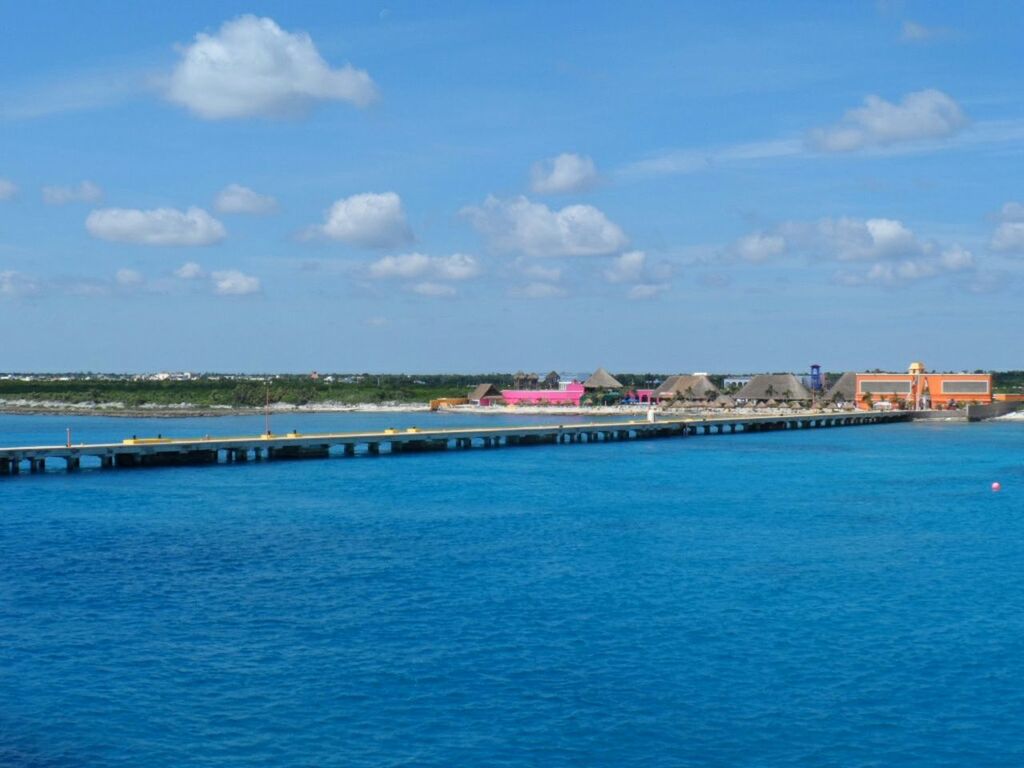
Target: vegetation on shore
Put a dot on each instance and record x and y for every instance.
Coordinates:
(210, 391)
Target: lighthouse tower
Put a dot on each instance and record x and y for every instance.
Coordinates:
(920, 397)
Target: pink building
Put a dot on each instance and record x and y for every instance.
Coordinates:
(571, 395)
(640, 395)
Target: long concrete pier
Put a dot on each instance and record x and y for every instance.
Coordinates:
(170, 452)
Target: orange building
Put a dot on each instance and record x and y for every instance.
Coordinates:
(919, 390)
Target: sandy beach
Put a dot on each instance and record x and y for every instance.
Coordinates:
(189, 410)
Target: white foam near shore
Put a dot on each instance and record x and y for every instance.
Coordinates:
(1015, 416)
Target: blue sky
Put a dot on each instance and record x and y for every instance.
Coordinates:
(481, 186)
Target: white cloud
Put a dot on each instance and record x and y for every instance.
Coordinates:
(758, 246)
(646, 280)
(1012, 212)
(235, 198)
(913, 32)
(227, 282)
(8, 189)
(646, 291)
(190, 270)
(1009, 235)
(129, 278)
(849, 239)
(564, 173)
(682, 161)
(405, 266)
(538, 291)
(160, 226)
(928, 114)
(535, 230)
(627, 268)
(83, 192)
(231, 282)
(253, 67)
(370, 220)
(890, 252)
(17, 284)
(957, 259)
(435, 290)
(903, 271)
(458, 266)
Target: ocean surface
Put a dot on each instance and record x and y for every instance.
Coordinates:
(841, 597)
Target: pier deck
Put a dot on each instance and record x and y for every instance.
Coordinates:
(167, 452)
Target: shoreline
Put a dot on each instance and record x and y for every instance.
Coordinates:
(188, 410)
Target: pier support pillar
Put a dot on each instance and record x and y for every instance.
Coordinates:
(37, 465)
(15, 466)
(373, 449)
(74, 463)
(5, 466)
(350, 449)
(106, 462)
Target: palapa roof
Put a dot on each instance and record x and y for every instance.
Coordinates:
(601, 379)
(687, 387)
(724, 401)
(774, 386)
(844, 390)
(484, 390)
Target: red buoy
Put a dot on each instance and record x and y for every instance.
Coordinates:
(996, 487)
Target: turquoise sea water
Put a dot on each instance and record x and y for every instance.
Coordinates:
(830, 597)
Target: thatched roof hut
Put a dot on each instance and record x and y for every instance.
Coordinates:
(725, 401)
(522, 380)
(774, 386)
(484, 392)
(601, 379)
(844, 390)
(685, 387)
